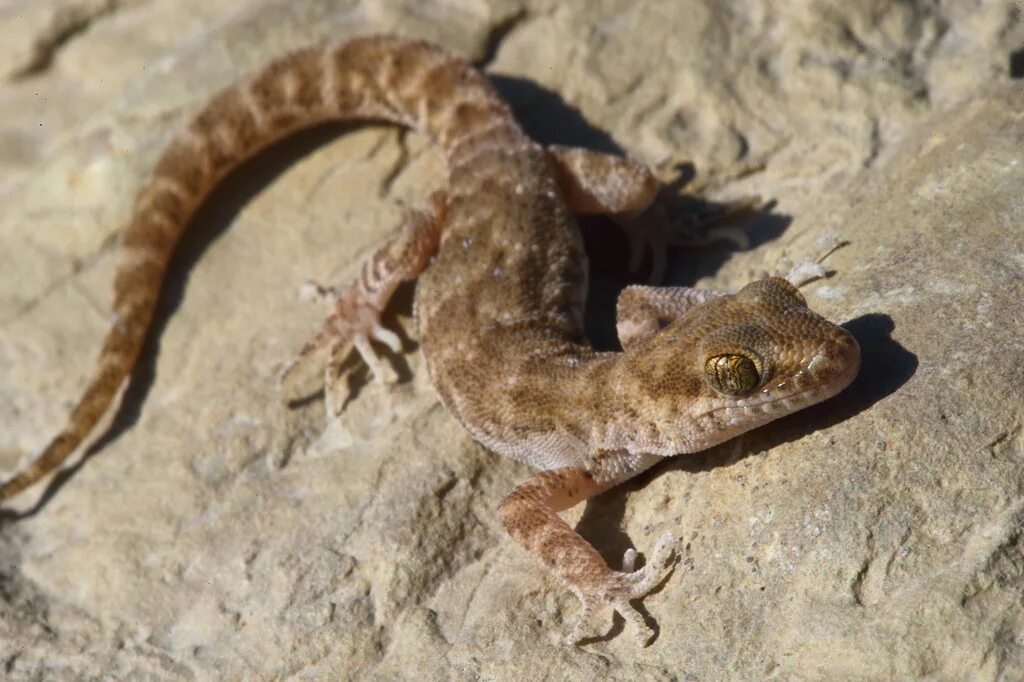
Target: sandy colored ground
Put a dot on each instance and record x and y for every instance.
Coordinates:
(218, 535)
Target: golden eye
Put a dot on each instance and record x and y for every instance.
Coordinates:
(732, 374)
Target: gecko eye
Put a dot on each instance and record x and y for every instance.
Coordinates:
(732, 374)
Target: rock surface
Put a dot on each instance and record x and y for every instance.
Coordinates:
(217, 535)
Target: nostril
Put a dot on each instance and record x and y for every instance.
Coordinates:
(834, 357)
(843, 360)
(843, 346)
(850, 349)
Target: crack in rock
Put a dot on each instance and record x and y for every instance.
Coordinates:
(66, 23)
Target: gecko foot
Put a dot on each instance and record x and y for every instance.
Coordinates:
(352, 323)
(653, 230)
(810, 267)
(356, 308)
(627, 585)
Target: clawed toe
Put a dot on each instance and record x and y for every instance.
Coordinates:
(369, 356)
(803, 273)
(354, 320)
(643, 580)
(629, 560)
(630, 585)
(387, 337)
(576, 634)
(810, 268)
(352, 324)
(312, 290)
(654, 231)
(642, 632)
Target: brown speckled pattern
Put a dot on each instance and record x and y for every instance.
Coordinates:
(499, 309)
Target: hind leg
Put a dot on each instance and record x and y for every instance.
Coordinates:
(354, 321)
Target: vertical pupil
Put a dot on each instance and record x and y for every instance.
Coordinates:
(733, 377)
(732, 374)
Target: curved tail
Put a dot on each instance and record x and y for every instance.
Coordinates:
(407, 82)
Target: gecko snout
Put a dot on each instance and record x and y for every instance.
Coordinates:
(836, 362)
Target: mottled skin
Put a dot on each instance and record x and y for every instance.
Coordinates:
(499, 308)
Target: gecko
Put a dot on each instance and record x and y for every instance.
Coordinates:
(498, 308)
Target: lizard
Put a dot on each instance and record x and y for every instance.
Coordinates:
(498, 307)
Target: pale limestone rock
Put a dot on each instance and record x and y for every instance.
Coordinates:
(218, 537)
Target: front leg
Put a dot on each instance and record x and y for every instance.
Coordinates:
(530, 515)
(642, 311)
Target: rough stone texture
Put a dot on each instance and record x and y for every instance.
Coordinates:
(218, 535)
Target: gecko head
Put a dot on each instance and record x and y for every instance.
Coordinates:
(743, 360)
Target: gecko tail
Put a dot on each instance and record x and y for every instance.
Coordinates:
(408, 82)
(103, 386)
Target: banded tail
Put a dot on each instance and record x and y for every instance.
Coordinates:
(407, 82)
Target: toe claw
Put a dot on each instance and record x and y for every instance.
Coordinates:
(387, 337)
(311, 290)
(630, 584)
(641, 630)
(811, 268)
(576, 634)
(369, 356)
(647, 578)
(805, 272)
(353, 323)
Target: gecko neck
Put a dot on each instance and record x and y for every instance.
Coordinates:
(636, 414)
